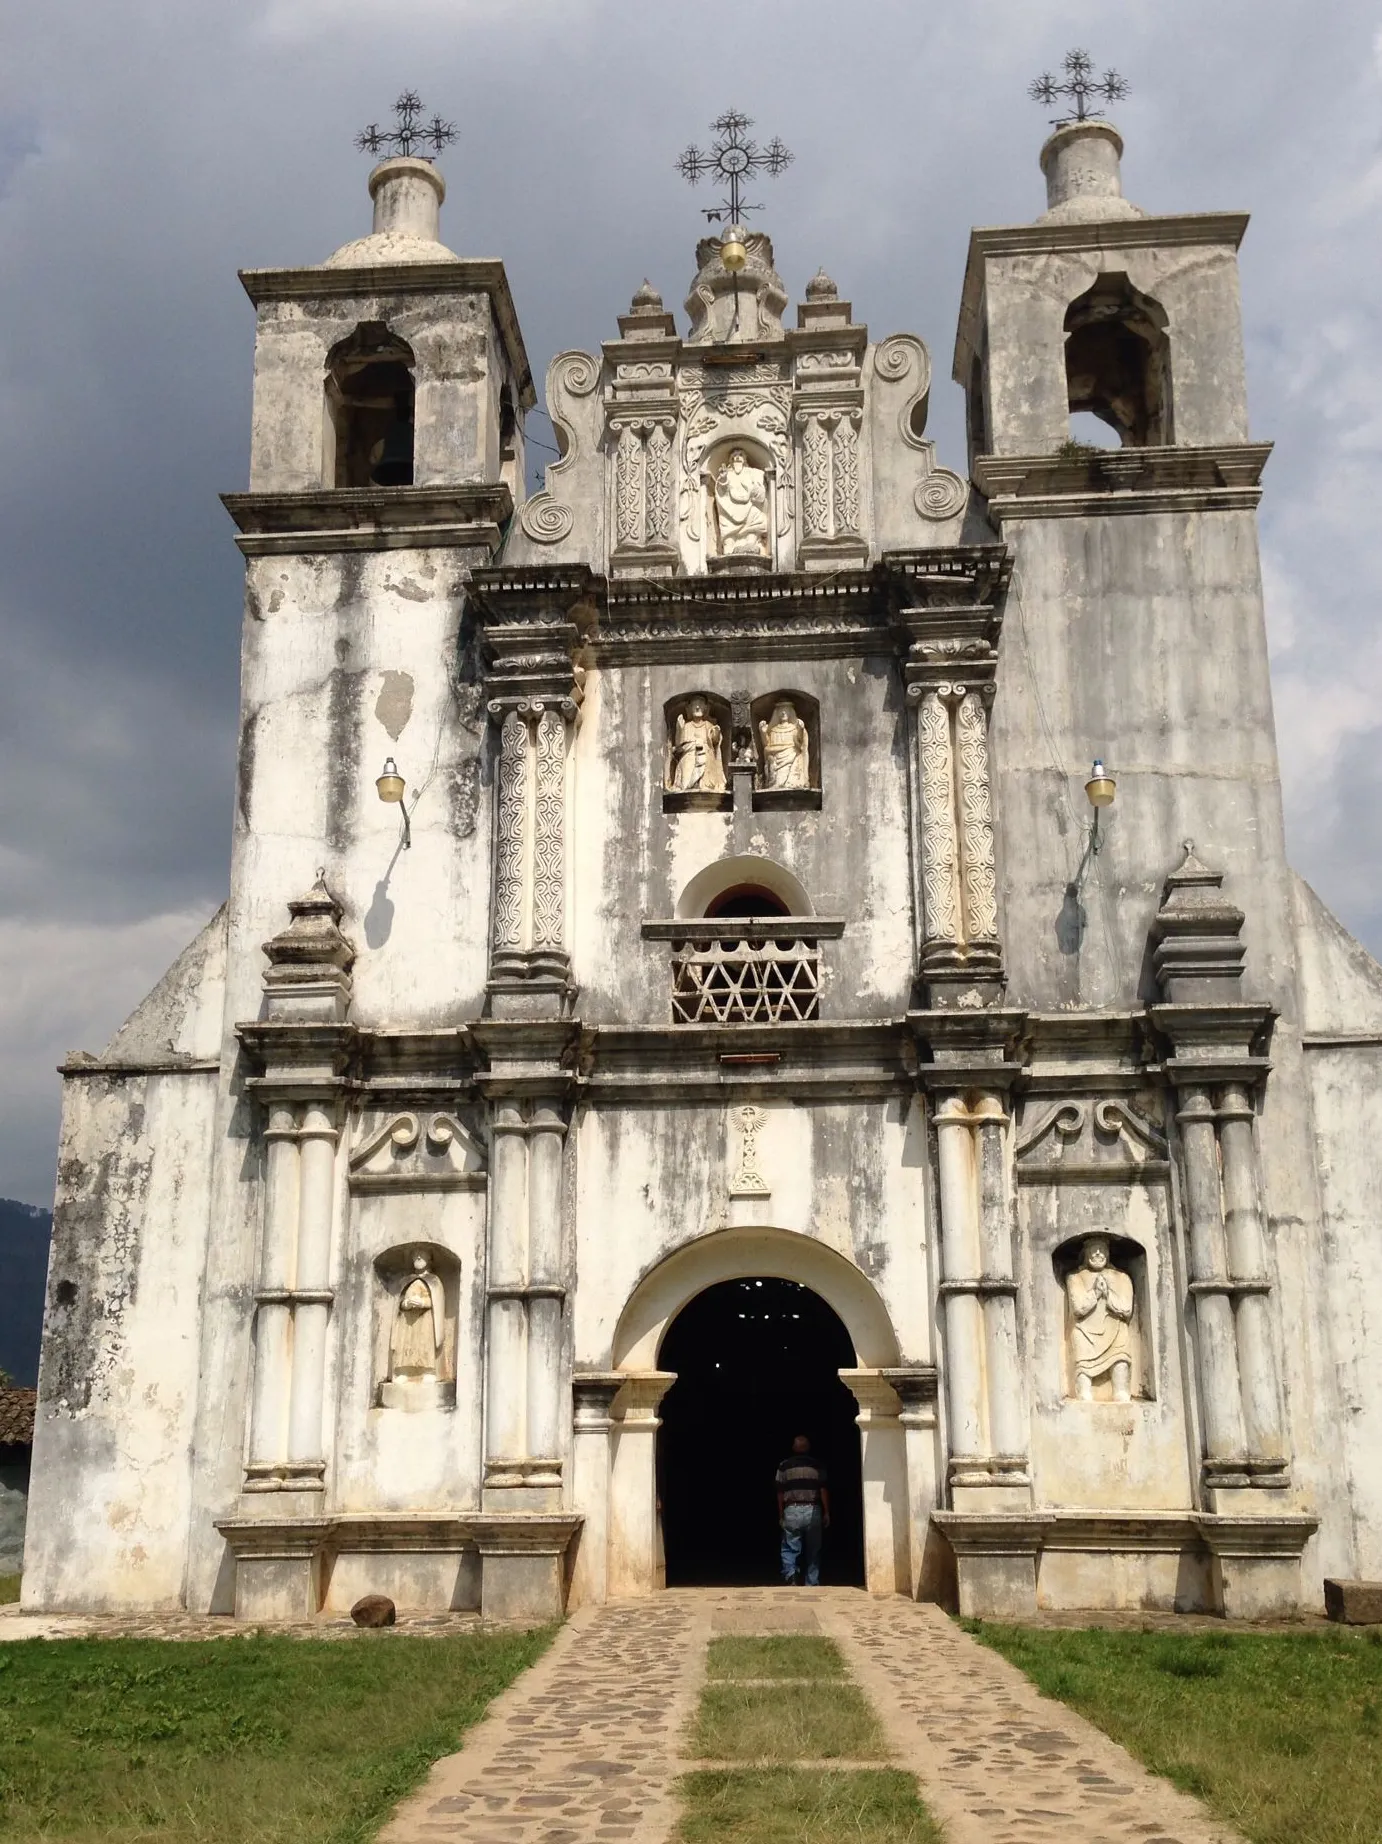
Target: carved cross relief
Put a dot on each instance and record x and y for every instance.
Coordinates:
(746, 1180)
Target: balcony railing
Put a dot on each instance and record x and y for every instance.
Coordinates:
(746, 969)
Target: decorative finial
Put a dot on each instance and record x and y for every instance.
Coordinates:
(646, 300)
(732, 159)
(821, 288)
(412, 133)
(1080, 85)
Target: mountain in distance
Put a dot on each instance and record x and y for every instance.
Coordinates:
(24, 1233)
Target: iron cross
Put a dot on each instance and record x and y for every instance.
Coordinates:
(412, 133)
(732, 159)
(1080, 85)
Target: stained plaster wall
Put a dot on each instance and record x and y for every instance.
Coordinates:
(1341, 987)
(632, 860)
(1142, 640)
(118, 1382)
(852, 1175)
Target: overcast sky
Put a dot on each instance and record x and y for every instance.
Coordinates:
(150, 147)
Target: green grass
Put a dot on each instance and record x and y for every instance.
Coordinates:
(9, 1589)
(793, 1805)
(785, 1722)
(253, 1740)
(790, 1655)
(1279, 1733)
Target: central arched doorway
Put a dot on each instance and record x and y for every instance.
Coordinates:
(757, 1361)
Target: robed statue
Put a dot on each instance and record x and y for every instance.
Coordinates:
(415, 1343)
(697, 764)
(785, 744)
(741, 507)
(1101, 1310)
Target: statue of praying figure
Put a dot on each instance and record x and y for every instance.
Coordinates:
(1101, 1309)
(786, 761)
(696, 759)
(741, 507)
(418, 1328)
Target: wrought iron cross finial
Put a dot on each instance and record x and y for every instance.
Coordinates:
(732, 159)
(1080, 85)
(411, 135)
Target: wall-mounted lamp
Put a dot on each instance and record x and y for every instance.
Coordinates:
(390, 786)
(1101, 789)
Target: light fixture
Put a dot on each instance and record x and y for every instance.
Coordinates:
(390, 787)
(1101, 789)
(734, 253)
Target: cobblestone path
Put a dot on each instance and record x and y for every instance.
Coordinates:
(584, 1746)
(996, 1761)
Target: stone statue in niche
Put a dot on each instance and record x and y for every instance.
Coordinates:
(786, 748)
(741, 507)
(416, 1341)
(1101, 1310)
(697, 764)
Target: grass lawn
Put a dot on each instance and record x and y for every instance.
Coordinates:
(783, 1655)
(1279, 1733)
(785, 1722)
(254, 1740)
(786, 1805)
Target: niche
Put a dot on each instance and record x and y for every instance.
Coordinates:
(740, 512)
(417, 1300)
(694, 773)
(369, 410)
(1118, 361)
(787, 749)
(1105, 1354)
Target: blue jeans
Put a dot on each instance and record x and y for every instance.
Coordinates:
(802, 1528)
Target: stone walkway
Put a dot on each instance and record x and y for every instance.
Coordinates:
(587, 1745)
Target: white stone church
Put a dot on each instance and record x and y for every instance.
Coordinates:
(683, 984)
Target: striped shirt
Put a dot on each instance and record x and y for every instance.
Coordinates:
(800, 1479)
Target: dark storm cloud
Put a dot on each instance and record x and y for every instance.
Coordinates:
(146, 151)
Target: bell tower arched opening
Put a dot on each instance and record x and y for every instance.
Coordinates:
(1118, 363)
(757, 1362)
(369, 410)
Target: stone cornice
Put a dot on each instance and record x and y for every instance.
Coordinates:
(1224, 477)
(468, 516)
(1178, 231)
(462, 275)
(725, 1064)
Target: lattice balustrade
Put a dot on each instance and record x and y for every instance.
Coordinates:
(745, 979)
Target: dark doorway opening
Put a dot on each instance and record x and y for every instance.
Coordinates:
(756, 1363)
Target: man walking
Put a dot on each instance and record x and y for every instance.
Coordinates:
(803, 1511)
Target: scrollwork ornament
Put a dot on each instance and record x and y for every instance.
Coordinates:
(941, 495)
(815, 478)
(546, 520)
(658, 513)
(976, 811)
(513, 787)
(628, 487)
(845, 459)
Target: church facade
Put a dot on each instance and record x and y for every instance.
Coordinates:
(693, 876)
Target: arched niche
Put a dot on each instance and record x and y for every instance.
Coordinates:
(1127, 1257)
(695, 758)
(739, 1254)
(786, 775)
(741, 872)
(740, 525)
(369, 410)
(1118, 361)
(394, 1271)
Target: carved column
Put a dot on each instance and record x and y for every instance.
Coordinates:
(949, 670)
(657, 499)
(887, 1566)
(1247, 1264)
(273, 1350)
(1210, 1286)
(628, 487)
(507, 1322)
(546, 1286)
(845, 469)
(593, 1394)
(549, 843)
(511, 840)
(636, 1561)
(312, 1295)
(815, 475)
(960, 1263)
(530, 966)
(941, 924)
(1007, 1419)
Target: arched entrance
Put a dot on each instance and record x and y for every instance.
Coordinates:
(757, 1361)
